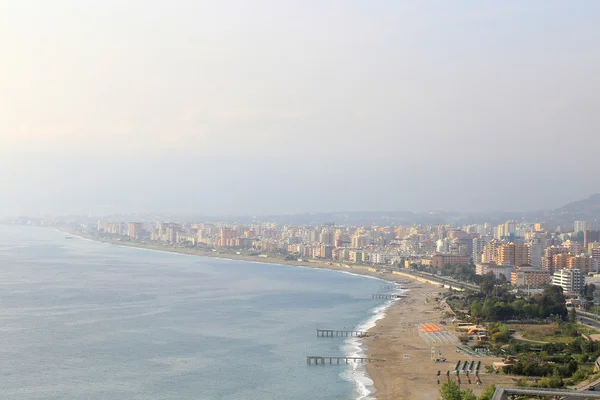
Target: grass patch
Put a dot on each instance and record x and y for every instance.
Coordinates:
(552, 333)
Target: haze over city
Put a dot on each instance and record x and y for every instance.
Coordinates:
(279, 107)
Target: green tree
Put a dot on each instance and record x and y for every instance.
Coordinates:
(487, 286)
(450, 391)
(572, 316)
(467, 394)
(488, 393)
(475, 308)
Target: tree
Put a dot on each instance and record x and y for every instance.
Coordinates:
(475, 309)
(488, 393)
(487, 286)
(450, 391)
(467, 394)
(572, 316)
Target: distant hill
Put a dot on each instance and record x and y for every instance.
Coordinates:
(585, 210)
(589, 205)
(581, 210)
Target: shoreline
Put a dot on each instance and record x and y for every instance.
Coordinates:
(323, 265)
(390, 379)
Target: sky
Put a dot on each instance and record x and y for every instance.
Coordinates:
(266, 107)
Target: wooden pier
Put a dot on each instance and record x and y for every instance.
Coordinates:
(322, 360)
(387, 296)
(343, 333)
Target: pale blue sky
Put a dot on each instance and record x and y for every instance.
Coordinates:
(279, 106)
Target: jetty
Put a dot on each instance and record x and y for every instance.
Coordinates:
(343, 333)
(322, 360)
(387, 296)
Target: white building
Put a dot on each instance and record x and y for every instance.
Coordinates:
(442, 246)
(580, 226)
(498, 270)
(570, 280)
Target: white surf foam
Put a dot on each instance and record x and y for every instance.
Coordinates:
(354, 347)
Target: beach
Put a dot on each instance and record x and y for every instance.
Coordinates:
(408, 372)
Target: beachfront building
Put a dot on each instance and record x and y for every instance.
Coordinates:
(440, 260)
(134, 230)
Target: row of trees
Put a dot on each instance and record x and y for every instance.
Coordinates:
(451, 391)
(492, 307)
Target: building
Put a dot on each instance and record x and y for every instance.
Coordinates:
(582, 262)
(490, 250)
(497, 270)
(441, 260)
(548, 259)
(596, 253)
(478, 246)
(529, 276)
(513, 254)
(227, 237)
(571, 280)
(540, 227)
(590, 237)
(536, 253)
(573, 247)
(483, 268)
(580, 226)
(560, 261)
(134, 230)
(326, 252)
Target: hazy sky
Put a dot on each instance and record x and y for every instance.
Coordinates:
(290, 106)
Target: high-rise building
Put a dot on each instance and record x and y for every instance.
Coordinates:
(326, 237)
(490, 251)
(560, 261)
(499, 232)
(540, 227)
(573, 246)
(227, 237)
(590, 236)
(571, 280)
(513, 254)
(510, 227)
(536, 252)
(548, 258)
(326, 252)
(582, 262)
(580, 226)
(134, 230)
(478, 246)
(596, 256)
(172, 231)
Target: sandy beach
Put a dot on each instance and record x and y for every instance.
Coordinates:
(415, 377)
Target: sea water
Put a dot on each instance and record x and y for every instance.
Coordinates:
(86, 320)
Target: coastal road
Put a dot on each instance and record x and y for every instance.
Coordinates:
(442, 280)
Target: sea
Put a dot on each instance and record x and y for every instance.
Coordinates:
(87, 320)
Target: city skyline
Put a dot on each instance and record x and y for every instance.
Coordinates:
(526, 254)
